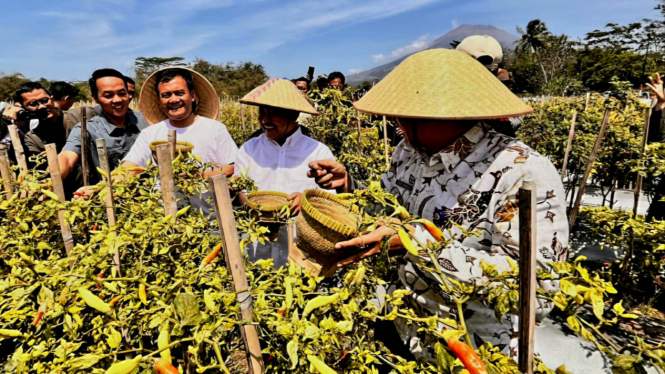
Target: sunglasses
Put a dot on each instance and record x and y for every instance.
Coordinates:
(37, 103)
(302, 88)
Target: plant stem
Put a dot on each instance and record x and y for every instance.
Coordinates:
(606, 339)
(169, 346)
(460, 313)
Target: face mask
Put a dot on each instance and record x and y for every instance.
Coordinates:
(34, 123)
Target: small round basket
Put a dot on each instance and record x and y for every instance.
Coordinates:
(180, 147)
(268, 203)
(324, 221)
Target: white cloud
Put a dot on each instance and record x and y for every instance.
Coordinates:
(355, 71)
(454, 23)
(418, 45)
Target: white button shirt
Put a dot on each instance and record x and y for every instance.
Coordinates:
(281, 168)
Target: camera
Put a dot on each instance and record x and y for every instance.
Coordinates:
(26, 115)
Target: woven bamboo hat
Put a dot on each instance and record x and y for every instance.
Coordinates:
(442, 84)
(279, 93)
(207, 102)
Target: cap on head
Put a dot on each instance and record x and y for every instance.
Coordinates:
(483, 47)
(279, 93)
(442, 84)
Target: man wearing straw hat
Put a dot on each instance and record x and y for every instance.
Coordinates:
(456, 171)
(278, 159)
(183, 100)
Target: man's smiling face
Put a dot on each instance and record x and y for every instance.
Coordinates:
(176, 98)
(112, 96)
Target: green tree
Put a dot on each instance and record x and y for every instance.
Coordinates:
(535, 39)
(9, 84)
(231, 79)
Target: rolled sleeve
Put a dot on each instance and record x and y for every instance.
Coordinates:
(74, 140)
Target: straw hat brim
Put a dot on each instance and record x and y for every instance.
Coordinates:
(279, 93)
(206, 98)
(442, 84)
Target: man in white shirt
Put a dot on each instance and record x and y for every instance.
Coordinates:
(182, 104)
(278, 160)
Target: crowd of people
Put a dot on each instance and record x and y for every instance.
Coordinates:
(452, 167)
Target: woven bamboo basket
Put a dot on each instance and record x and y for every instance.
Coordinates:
(324, 221)
(180, 147)
(268, 203)
(265, 207)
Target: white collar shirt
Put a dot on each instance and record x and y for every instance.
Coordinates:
(281, 168)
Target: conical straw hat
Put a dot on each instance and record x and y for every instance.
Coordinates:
(279, 93)
(206, 98)
(442, 84)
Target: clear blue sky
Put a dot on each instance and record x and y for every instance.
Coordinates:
(68, 39)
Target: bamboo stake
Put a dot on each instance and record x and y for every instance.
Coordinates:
(569, 145)
(6, 173)
(360, 146)
(589, 167)
(110, 211)
(527, 275)
(84, 147)
(166, 179)
(291, 231)
(645, 137)
(242, 116)
(385, 140)
(172, 137)
(58, 189)
(219, 190)
(586, 105)
(18, 148)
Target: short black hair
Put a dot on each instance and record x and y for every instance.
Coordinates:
(336, 74)
(301, 79)
(129, 80)
(103, 73)
(28, 87)
(167, 75)
(61, 89)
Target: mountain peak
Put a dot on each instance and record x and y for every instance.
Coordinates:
(504, 38)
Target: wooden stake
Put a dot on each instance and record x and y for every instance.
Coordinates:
(172, 137)
(58, 189)
(569, 146)
(6, 173)
(219, 190)
(104, 163)
(527, 276)
(242, 116)
(84, 147)
(291, 232)
(166, 179)
(586, 105)
(385, 140)
(360, 146)
(645, 136)
(589, 167)
(18, 148)
(110, 212)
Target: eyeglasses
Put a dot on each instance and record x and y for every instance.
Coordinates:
(37, 103)
(337, 87)
(301, 88)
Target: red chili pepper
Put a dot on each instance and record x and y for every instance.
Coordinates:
(281, 312)
(468, 356)
(78, 194)
(40, 314)
(164, 367)
(270, 358)
(343, 360)
(211, 256)
(99, 277)
(114, 301)
(94, 228)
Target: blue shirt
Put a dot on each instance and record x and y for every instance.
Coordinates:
(118, 140)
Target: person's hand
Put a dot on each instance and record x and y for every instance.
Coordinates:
(329, 174)
(296, 197)
(399, 132)
(211, 172)
(84, 192)
(656, 86)
(370, 242)
(11, 111)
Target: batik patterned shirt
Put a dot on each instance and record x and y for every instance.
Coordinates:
(473, 183)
